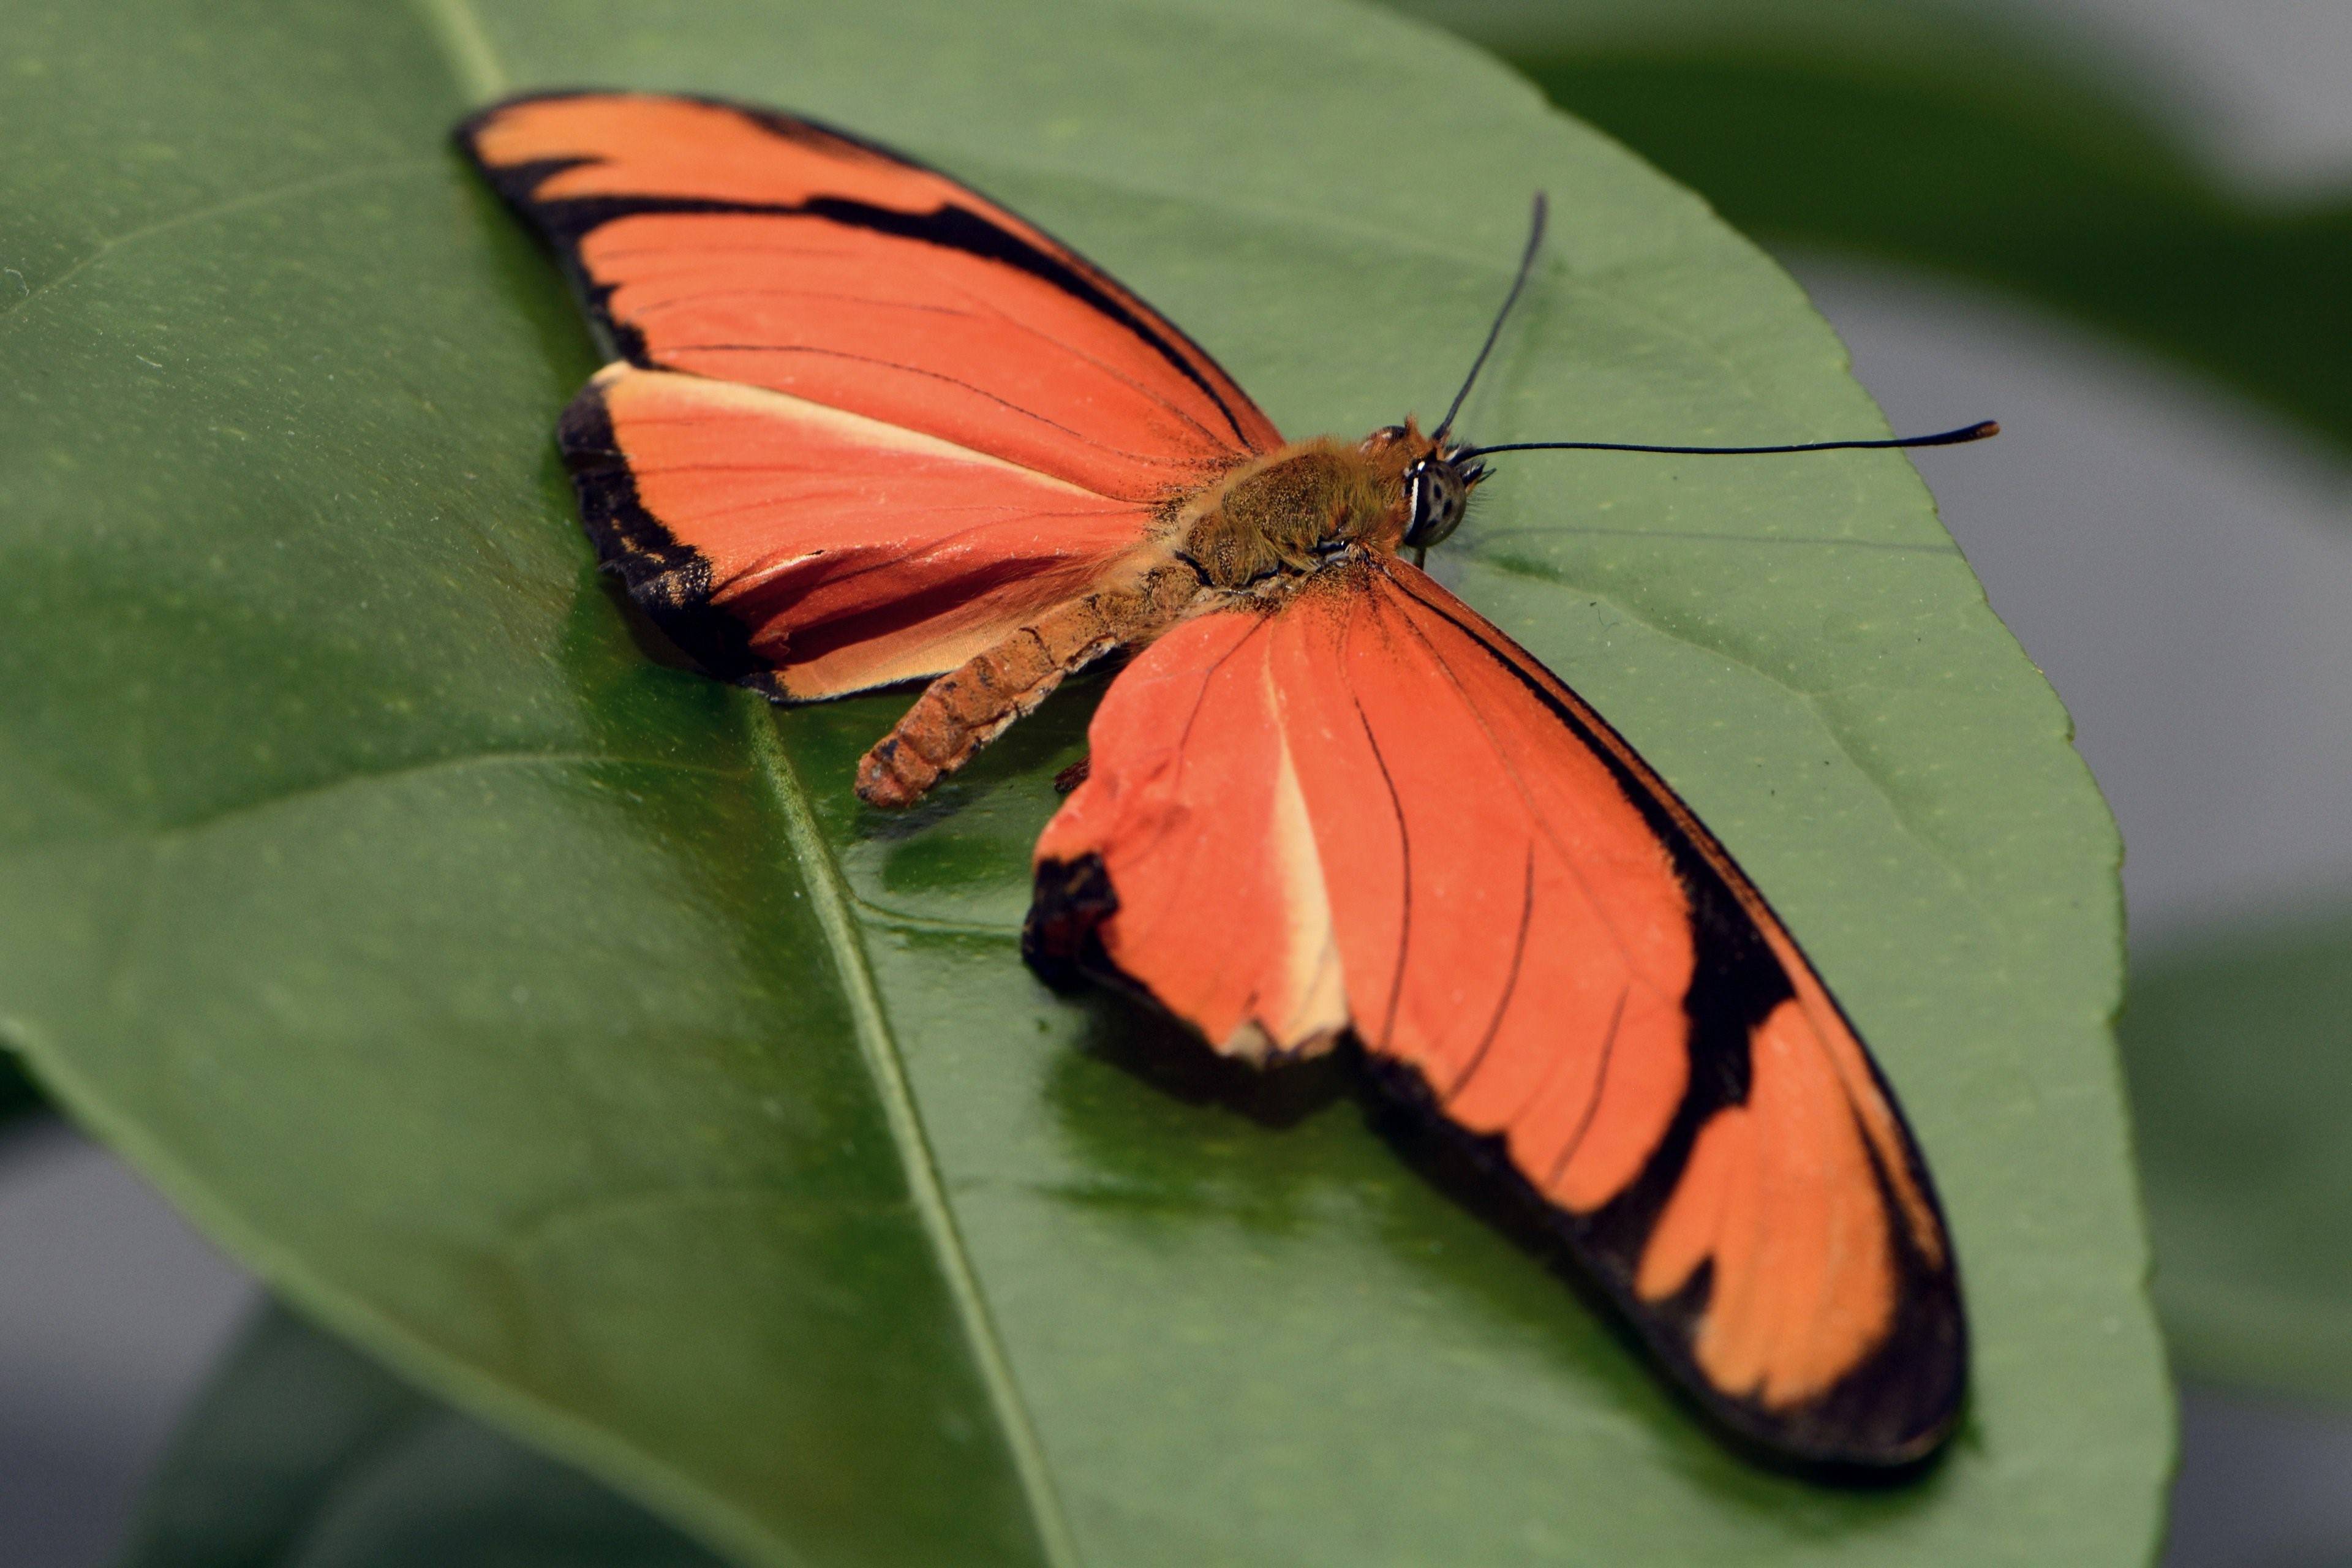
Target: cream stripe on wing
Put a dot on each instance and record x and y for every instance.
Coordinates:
(1304, 1012)
(738, 397)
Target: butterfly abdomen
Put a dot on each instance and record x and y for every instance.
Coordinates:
(1253, 532)
(969, 706)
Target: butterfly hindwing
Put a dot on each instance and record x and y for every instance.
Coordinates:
(809, 552)
(1383, 813)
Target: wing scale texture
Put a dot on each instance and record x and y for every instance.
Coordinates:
(964, 418)
(1371, 810)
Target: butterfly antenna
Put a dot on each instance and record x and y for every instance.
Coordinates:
(1527, 265)
(1976, 432)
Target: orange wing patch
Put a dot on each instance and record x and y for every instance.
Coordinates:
(1535, 941)
(753, 247)
(1540, 927)
(1779, 1200)
(1195, 723)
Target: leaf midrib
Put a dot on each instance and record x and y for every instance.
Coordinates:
(832, 902)
(464, 45)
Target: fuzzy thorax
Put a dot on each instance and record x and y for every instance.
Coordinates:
(1295, 508)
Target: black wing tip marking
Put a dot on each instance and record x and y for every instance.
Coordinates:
(515, 182)
(560, 225)
(1885, 1422)
(667, 578)
(1061, 939)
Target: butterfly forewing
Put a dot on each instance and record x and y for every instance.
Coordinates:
(864, 422)
(811, 553)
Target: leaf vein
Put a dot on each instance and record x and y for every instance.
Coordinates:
(835, 906)
(108, 246)
(189, 827)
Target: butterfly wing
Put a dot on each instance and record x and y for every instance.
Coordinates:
(865, 421)
(808, 551)
(1373, 811)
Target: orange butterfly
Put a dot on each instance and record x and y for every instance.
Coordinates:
(866, 427)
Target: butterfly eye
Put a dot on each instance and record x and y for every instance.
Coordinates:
(1435, 494)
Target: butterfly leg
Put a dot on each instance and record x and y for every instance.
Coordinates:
(965, 708)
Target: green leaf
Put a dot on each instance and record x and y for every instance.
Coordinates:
(555, 1023)
(2240, 1088)
(1946, 136)
(301, 1453)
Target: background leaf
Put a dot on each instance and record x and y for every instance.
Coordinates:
(556, 1024)
(302, 1453)
(2238, 1079)
(1965, 140)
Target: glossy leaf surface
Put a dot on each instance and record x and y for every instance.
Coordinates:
(556, 1023)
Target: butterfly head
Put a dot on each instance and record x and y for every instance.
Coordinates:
(1433, 481)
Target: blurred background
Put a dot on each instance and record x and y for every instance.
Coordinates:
(2120, 226)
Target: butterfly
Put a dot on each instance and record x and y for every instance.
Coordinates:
(864, 426)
